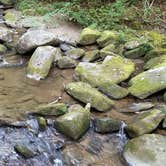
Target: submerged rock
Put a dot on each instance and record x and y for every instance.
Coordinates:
(146, 150)
(114, 69)
(86, 94)
(75, 123)
(51, 109)
(35, 38)
(106, 125)
(139, 51)
(145, 123)
(137, 107)
(66, 63)
(24, 151)
(108, 37)
(5, 34)
(76, 53)
(91, 56)
(42, 123)
(113, 90)
(89, 36)
(148, 82)
(40, 62)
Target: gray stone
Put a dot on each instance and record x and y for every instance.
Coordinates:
(75, 53)
(91, 56)
(5, 34)
(146, 150)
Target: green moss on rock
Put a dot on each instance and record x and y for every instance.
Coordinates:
(76, 53)
(3, 49)
(42, 123)
(75, 123)
(91, 56)
(89, 36)
(86, 94)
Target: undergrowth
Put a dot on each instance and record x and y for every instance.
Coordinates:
(103, 14)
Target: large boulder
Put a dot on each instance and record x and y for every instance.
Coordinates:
(35, 38)
(114, 69)
(5, 34)
(146, 150)
(108, 37)
(106, 125)
(75, 123)
(148, 82)
(89, 36)
(86, 94)
(40, 62)
(145, 123)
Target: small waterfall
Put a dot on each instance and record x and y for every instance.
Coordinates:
(122, 137)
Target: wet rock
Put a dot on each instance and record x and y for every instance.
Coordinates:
(137, 107)
(157, 61)
(35, 38)
(108, 37)
(155, 53)
(148, 82)
(40, 62)
(66, 63)
(76, 53)
(145, 123)
(5, 34)
(42, 123)
(3, 49)
(24, 151)
(89, 36)
(106, 125)
(114, 69)
(91, 56)
(149, 149)
(75, 123)
(66, 47)
(12, 18)
(113, 90)
(139, 51)
(86, 94)
(51, 109)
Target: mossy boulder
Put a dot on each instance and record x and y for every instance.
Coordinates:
(35, 38)
(5, 34)
(145, 123)
(3, 49)
(66, 63)
(89, 36)
(139, 51)
(40, 62)
(91, 56)
(75, 53)
(108, 37)
(114, 69)
(113, 90)
(155, 53)
(106, 125)
(148, 149)
(75, 123)
(42, 123)
(24, 151)
(86, 94)
(52, 109)
(155, 62)
(164, 96)
(148, 82)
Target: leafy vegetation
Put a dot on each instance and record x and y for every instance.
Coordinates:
(104, 14)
